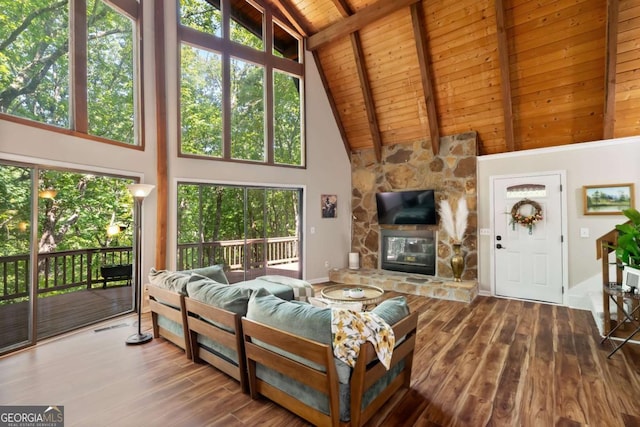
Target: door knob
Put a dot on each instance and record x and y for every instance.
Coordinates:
(499, 246)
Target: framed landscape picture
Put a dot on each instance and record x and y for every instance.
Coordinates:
(608, 199)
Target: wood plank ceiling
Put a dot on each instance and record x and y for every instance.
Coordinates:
(523, 74)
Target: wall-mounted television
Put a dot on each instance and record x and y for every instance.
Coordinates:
(407, 207)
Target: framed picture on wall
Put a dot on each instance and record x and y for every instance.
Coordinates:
(609, 199)
(329, 205)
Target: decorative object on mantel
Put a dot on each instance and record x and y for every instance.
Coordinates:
(354, 260)
(455, 228)
(457, 263)
(526, 220)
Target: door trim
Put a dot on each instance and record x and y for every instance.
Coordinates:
(563, 222)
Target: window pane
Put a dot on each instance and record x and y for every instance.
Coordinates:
(287, 141)
(110, 74)
(34, 66)
(247, 111)
(246, 24)
(202, 16)
(252, 230)
(210, 219)
(201, 102)
(284, 44)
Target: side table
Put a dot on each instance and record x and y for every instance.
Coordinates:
(618, 297)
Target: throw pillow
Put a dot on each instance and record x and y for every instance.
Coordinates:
(215, 272)
(392, 310)
(175, 281)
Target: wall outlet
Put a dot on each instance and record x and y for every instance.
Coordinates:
(326, 264)
(584, 232)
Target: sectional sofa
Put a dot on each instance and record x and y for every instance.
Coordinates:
(264, 334)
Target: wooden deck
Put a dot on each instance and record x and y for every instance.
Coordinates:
(493, 362)
(63, 313)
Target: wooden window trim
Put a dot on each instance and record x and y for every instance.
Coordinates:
(78, 104)
(229, 49)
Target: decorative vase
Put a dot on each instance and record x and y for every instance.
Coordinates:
(457, 262)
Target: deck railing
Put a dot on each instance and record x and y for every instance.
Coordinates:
(58, 270)
(231, 253)
(62, 270)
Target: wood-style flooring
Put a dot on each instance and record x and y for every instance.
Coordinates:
(494, 362)
(63, 313)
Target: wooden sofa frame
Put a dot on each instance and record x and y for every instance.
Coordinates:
(367, 371)
(196, 311)
(160, 302)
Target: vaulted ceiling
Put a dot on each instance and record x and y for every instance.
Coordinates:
(523, 74)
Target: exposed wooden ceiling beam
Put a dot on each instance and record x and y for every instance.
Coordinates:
(505, 79)
(368, 95)
(419, 32)
(343, 7)
(611, 56)
(298, 22)
(356, 21)
(332, 103)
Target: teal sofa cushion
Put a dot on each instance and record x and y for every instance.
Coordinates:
(175, 281)
(392, 310)
(214, 272)
(304, 320)
(230, 298)
(280, 290)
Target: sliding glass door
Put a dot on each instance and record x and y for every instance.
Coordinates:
(253, 231)
(16, 254)
(63, 237)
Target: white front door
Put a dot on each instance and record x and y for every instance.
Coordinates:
(528, 260)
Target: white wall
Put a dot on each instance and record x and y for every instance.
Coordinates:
(328, 170)
(594, 163)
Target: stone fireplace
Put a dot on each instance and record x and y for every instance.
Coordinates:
(452, 173)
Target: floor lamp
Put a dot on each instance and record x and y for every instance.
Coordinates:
(139, 192)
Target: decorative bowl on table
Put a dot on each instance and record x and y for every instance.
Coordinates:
(356, 293)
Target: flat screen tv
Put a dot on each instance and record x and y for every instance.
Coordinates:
(407, 207)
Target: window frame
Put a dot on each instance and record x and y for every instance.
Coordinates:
(229, 49)
(78, 107)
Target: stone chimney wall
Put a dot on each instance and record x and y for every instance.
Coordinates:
(452, 173)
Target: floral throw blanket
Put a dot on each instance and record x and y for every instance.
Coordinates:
(351, 330)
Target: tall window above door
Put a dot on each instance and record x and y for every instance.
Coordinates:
(241, 84)
(72, 64)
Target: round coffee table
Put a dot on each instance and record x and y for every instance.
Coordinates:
(372, 294)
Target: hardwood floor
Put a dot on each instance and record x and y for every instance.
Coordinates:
(494, 362)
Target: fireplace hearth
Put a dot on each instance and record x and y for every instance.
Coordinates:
(409, 251)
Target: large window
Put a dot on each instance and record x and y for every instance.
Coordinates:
(241, 85)
(77, 74)
(253, 231)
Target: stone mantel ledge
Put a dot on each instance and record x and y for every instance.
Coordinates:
(408, 283)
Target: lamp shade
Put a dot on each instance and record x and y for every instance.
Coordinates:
(140, 190)
(113, 229)
(48, 193)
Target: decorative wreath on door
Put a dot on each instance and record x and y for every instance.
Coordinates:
(526, 220)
